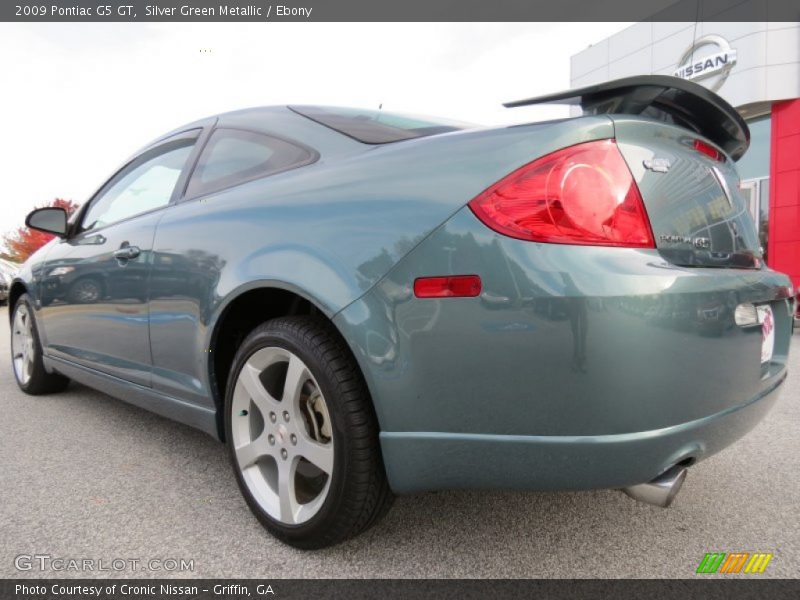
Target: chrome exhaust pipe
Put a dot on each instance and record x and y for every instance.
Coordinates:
(662, 490)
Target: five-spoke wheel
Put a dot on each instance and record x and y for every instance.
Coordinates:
(22, 349)
(26, 352)
(303, 434)
(282, 435)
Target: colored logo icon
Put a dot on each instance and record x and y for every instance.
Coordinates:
(734, 562)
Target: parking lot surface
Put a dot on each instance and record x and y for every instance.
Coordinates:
(87, 476)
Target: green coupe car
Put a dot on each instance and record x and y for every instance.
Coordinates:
(361, 304)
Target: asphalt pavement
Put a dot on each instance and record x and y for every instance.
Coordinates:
(85, 476)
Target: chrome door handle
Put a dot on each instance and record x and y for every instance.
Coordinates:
(127, 253)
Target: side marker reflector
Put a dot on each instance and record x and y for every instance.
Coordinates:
(456, 286)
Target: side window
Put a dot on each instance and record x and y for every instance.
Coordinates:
(233, 156)
(145, 184)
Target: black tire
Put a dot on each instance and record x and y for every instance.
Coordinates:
(359, 493)
(40, 382)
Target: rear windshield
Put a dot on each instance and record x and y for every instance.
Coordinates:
(375, 126)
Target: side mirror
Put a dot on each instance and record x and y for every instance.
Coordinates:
(50, 220)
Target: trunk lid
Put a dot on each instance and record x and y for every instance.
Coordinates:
(698, 215)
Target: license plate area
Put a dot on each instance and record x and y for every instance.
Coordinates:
(766, 319)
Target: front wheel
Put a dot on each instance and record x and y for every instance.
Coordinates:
(303, 434)
(26, 353)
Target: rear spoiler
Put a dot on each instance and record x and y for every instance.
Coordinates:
(662, 97)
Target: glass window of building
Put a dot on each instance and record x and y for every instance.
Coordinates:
(753, 169)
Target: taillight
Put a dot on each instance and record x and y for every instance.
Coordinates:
(708, 150)
(454, 286)
(583, 194)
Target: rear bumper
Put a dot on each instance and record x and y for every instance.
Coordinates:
(419, 461)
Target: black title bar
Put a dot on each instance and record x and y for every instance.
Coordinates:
(397, 10)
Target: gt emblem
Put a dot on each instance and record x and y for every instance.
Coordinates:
(657, 165)
(701, 243)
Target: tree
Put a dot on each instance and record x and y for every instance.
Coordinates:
(24, 241)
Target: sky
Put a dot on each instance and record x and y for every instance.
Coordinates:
(79, 99)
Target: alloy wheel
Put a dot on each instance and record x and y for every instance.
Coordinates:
(22, 347)
(282, 435)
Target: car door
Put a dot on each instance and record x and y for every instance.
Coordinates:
(94, 288)
(195, 241)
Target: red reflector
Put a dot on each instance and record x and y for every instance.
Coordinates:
(459, 286)
(584, 194)
(708, 150)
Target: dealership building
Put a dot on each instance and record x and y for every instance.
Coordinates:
(756, 68)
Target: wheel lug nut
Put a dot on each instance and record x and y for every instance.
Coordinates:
(294, 439)
(271, 439)
(273, 417)
(286, 416)
(284, 453)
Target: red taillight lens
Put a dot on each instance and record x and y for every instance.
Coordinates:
(708, 150)
(459, 286)
(583, 194)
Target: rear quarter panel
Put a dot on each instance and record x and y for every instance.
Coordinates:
(563, 340)
(577, 367)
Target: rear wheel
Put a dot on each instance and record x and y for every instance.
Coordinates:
(303, 435)
(26, 353)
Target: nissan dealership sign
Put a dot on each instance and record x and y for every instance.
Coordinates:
(709, 58)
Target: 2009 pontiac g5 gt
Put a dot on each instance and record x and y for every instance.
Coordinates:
(361, 303)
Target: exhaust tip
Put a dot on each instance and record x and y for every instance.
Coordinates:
(662, 490)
